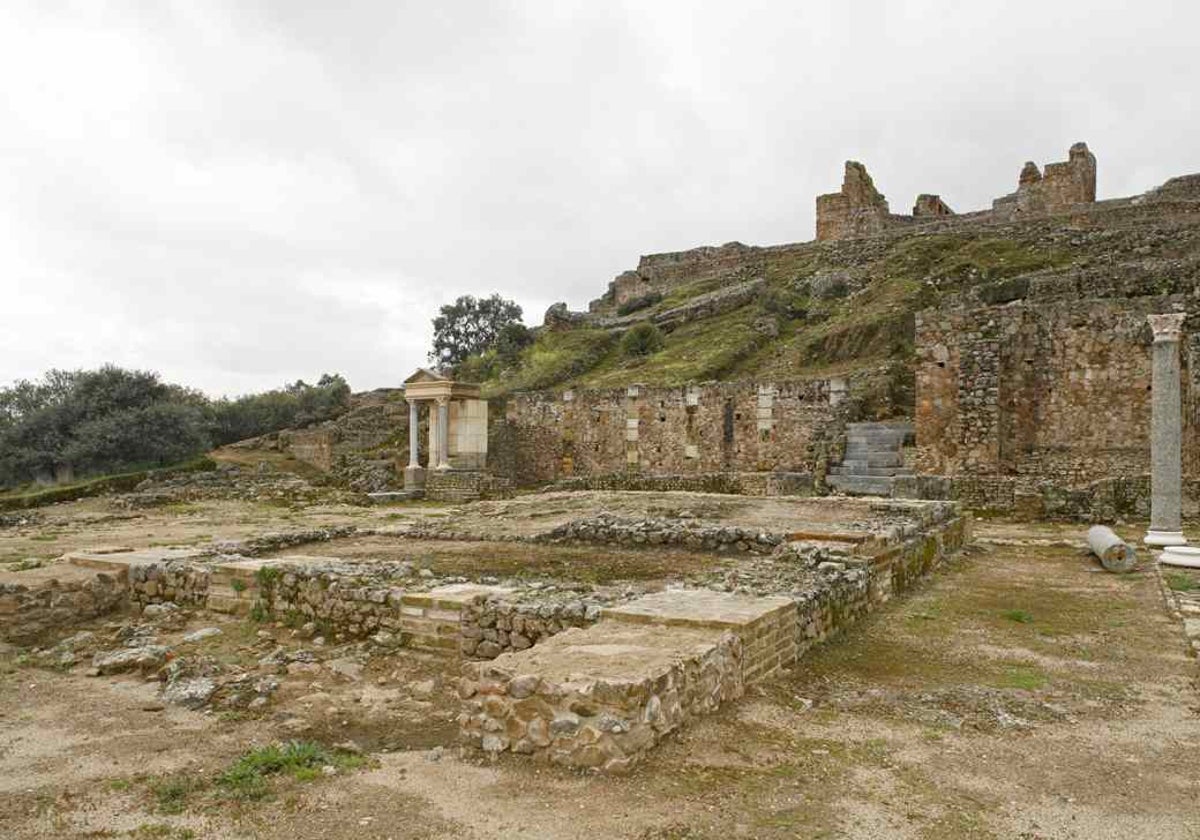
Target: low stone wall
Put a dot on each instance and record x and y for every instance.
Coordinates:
(852, 587)
(590, 710)
(465, 486)
(30, 610)
(1105, 500)
(180, 582)
(614, 530)
(354, 603)
(492, 626)
(731, 483)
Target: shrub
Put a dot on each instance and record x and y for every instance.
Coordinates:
(644, 339)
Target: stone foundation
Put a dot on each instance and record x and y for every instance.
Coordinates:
(465, 486)
(599, 698)
(48, 599)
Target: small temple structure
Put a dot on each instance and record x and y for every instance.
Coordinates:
(458, 435)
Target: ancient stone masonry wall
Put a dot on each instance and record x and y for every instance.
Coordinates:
(493, 625)
(859, 210)
(1044, 395)
(1063, 185)
(691, 430)
(660, 273)
(465, 486)
(606, 724)
(29, 611)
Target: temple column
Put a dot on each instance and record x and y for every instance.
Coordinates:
(1166, 434)
(443, 424)
(414, 475)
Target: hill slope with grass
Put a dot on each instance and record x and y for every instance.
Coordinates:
(818, 309)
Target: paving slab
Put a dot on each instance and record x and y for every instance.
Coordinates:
(698, 608)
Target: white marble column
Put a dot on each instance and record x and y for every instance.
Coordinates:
(413, 443)
(1166, 435)
(443, 424)
(414, 475)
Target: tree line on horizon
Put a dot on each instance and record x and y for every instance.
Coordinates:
(97, 422)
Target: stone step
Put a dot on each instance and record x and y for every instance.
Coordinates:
(890, 441)
(873, 459)
(901, 427)
(861, 485)
(858, 469)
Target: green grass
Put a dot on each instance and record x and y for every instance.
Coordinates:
(151, 831)
(816, 337)
(248, 778)
(1181, 582)
(1019, 616)
(555, 358)
(1025, 678)
(171, 794)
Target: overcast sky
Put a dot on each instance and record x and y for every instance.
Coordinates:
(239, 194)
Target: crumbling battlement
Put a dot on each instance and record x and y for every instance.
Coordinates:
(861, 210)
(1064, 184)
(858, 210)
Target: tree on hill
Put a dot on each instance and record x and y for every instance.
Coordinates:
(113, 420)
(471, 326)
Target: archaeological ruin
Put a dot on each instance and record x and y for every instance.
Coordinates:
(591, 557)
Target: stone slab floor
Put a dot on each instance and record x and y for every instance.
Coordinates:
(1021, 694)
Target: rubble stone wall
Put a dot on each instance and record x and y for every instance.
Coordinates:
(1043, 396)
(596, 724)
(28, 611)
(693, 430)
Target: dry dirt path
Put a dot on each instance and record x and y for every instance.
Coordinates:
(1021, 693)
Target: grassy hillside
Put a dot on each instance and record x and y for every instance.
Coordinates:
(800, 323)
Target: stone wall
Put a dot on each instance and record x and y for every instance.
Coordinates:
(1042, 392)
(731, 262)
(692, 430)
(859, 210)
(465, 486)
(735, 483)
(53, 599)
(594, 722)
(494, 625)
(1064, 184)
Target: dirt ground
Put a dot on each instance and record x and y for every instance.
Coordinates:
(1020, 693)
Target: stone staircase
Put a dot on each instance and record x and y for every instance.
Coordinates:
(874, 457)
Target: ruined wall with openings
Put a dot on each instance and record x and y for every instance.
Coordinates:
(688, 430)
(860, 210)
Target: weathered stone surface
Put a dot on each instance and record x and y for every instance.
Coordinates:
(191, 693)
(144, 659)
(1114, 553)
(594, 688)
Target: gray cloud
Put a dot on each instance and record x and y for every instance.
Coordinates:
(240, 194)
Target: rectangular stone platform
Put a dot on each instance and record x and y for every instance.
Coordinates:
(599, 698)
(118, 560)
(766, 626)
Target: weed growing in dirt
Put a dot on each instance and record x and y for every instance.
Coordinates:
(1019, 616)
(171, 793)
(237, 585)
(146, 831)
(1027, 679)
(1181, 582)
(302, 760)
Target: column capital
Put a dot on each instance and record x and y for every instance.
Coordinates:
(1167, 327)
(442, 400)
